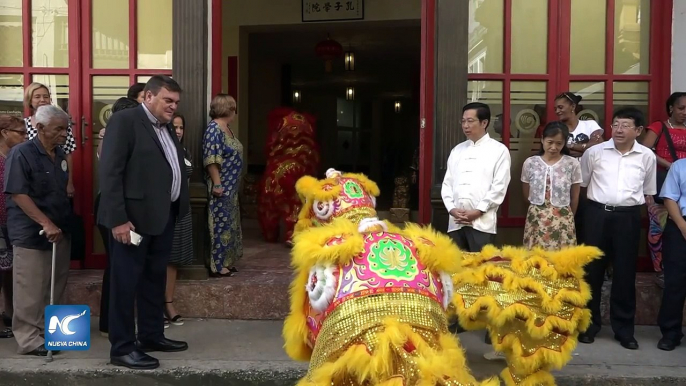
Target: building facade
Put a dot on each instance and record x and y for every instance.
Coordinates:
(515, 55)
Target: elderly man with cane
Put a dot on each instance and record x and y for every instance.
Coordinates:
(38, 214)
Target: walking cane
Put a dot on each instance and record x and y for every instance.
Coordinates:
(52, 284)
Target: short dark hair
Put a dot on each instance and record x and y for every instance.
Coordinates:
(135, 89)
(483, 112)
(552, 129)
(630, 113)
(671, 101)
(157, 82)
(570, 97)
(124, 103)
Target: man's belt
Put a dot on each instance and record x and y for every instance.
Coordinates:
(612, 208)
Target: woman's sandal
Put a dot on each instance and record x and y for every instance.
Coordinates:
(177, 320)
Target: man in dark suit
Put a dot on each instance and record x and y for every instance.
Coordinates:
(144, 189)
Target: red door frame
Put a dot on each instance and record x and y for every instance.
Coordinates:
(93, 260)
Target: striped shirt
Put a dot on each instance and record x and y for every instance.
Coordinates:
(170, 151)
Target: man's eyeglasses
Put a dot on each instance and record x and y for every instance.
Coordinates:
(622, 126)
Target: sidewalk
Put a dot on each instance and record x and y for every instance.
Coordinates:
(226, 352)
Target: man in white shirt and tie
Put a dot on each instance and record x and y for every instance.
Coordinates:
(475, 181)
(619, 174)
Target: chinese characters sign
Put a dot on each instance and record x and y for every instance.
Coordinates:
(330, 10)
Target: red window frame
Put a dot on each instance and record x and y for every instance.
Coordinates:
(80, 72)
(558, 77)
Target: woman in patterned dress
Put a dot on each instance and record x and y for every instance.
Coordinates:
(551, 181)
(182, 247)
(38, 94)
(12, 132)
(223, 161)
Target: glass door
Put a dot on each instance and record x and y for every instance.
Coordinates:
(119, 49)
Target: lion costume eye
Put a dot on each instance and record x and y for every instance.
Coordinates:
(323, 210)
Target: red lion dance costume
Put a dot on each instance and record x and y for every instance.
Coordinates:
(370, 301)
(292, 152)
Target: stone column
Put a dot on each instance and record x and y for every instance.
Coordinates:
(189, 68)
(450, 93)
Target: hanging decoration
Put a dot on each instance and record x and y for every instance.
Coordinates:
(350, 61)
(328, 50)
(350, 93)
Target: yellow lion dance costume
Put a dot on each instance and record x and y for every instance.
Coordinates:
(370, 302)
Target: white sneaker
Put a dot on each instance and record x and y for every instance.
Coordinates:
(494, 356)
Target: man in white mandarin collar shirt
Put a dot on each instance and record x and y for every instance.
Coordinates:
(619, 174)
(475, 181)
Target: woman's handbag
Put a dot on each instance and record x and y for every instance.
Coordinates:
(662, 173)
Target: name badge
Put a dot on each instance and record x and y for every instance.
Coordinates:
(64, 165)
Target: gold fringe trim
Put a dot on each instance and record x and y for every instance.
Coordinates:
(378, 367)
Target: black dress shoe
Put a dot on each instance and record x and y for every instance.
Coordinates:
(136, 360)
(41, 351)
(586, 338)
(667, 344)
(164, 345)
(627, 343)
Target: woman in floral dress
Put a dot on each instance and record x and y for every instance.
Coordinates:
(551, 181)
(223, 161)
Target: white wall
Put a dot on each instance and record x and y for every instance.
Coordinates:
(678, 46)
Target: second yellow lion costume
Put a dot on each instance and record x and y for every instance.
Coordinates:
(370, 301)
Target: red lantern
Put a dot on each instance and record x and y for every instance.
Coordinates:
(328, 50)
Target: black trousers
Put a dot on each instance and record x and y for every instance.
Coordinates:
(579, 218)
(616, 233)
(674, 261)
(471, 240)
(138, 276)
(105, 291)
